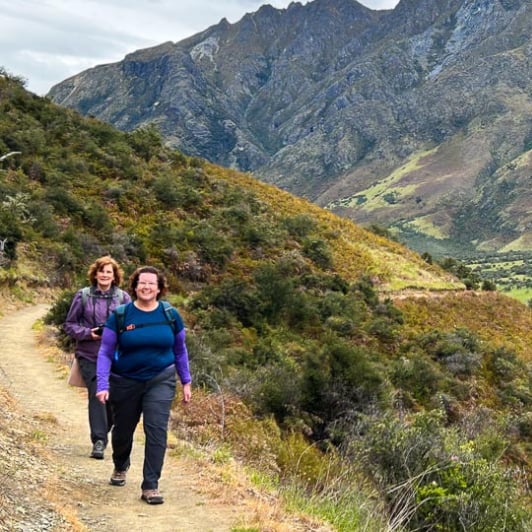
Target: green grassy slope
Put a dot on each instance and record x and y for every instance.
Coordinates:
(288, 312)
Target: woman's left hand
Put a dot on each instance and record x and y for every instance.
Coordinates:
(187, 392)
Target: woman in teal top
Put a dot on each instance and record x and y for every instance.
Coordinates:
(143, 350)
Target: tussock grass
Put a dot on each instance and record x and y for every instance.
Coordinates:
(493, 316)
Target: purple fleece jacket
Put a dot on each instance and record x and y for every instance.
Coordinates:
(80, 321)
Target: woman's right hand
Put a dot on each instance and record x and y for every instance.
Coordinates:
(96, 333)
(103, 396)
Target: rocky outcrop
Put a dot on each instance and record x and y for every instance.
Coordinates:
(416, 118)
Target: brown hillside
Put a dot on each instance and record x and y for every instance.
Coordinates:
(495, 317)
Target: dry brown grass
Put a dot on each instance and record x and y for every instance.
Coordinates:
(356, 252)
(496, 318)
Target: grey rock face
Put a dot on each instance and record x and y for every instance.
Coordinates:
(415, 117)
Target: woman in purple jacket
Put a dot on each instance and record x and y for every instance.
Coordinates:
(142, 354)
(90, 308)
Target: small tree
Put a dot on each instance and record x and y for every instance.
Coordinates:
(489, 286)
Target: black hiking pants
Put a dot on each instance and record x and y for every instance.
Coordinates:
(100, 416)
(152, 399)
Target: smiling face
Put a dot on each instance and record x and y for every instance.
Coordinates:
(147, 288)
(105, 277)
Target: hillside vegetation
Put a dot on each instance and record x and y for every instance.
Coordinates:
(416, 118)
(364, 384)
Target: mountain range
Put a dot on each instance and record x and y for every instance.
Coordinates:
(417, 119)
(342, 368)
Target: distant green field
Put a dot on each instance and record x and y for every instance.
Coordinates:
(521, 294)
(511, 272)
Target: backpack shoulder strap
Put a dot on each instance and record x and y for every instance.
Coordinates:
(120, 293)
(120, 313)
(85, 293)
(170, 316)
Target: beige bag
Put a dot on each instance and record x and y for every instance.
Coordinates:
(75, 378)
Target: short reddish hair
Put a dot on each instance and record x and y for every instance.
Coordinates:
(99, 264)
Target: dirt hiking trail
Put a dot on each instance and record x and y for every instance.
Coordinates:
(80, 484)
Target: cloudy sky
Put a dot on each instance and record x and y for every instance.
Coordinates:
(47, 41)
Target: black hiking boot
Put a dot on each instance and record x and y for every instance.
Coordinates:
(97, 450)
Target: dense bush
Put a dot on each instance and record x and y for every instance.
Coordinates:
(418, 377)
(56, 316)
(435, 479)
(300, 226)
(309, 370)
(146, 142)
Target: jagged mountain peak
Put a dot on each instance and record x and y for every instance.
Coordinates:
(344, 105)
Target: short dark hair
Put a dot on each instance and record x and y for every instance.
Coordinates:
(161, 280)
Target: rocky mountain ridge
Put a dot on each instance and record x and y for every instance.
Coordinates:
(417, 118)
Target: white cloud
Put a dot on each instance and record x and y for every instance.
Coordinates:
(47, 41)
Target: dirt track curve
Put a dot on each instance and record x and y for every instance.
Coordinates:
(40, 389)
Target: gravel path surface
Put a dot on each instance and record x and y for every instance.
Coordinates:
(50, 481)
